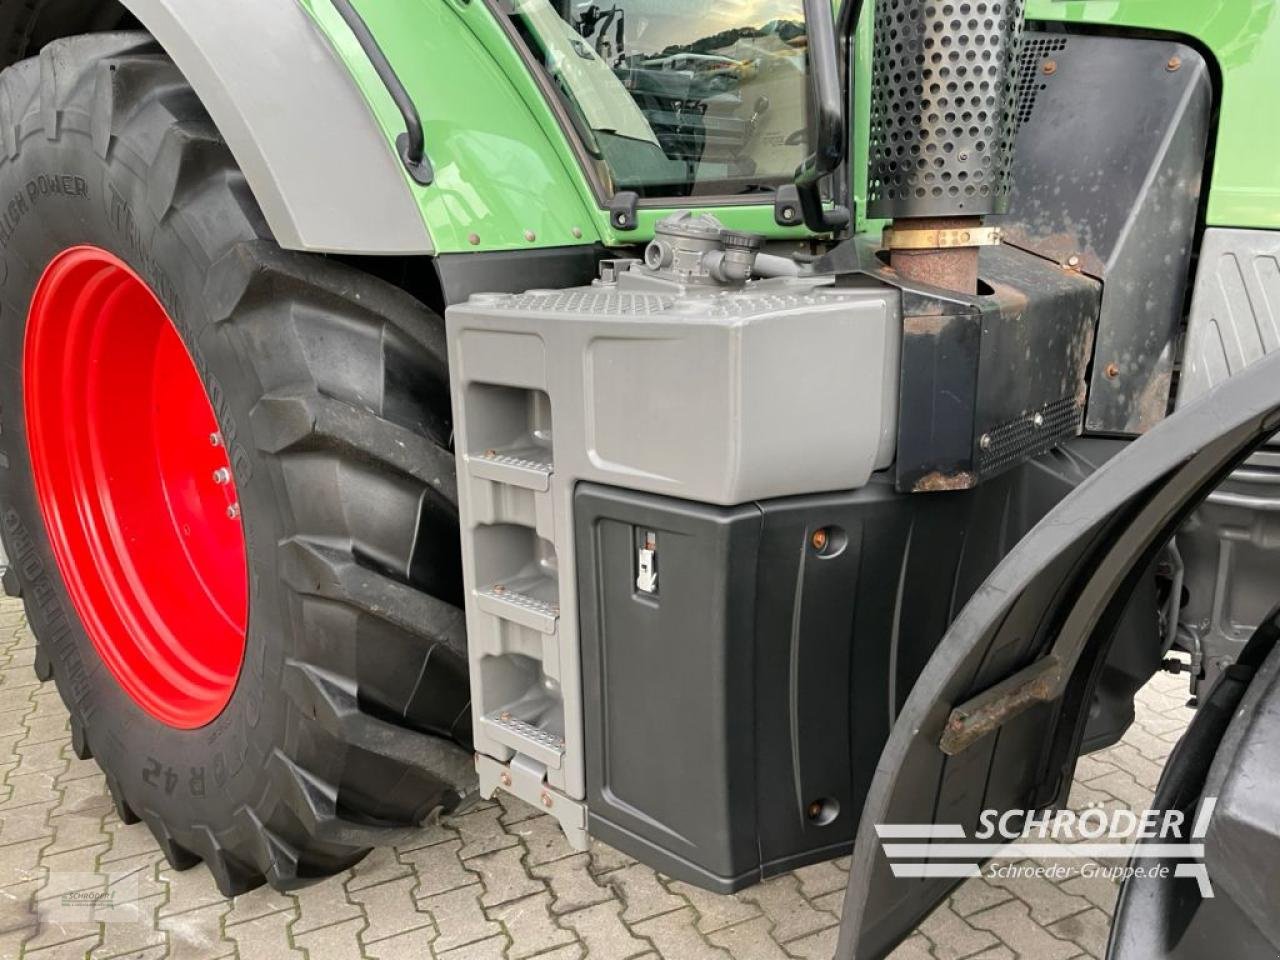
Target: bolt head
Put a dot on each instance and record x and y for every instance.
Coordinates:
(473, 239)
(233, 511)
(623, 219)
(530, 236)
(985, 441)
(222, 476)
(215, 439)
(1050, 68)
(819, 540)
(1112, 371)
(788, 213)
(577, 233)
(1174, 64)
(546, 800)
(505, 779)
(1073, 261)
(1038, 419)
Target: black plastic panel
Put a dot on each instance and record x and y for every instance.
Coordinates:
(733, 720)
(670, 686)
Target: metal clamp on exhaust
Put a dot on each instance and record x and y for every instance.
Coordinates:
(906, 237)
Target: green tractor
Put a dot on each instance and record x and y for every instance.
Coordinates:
(734, 429)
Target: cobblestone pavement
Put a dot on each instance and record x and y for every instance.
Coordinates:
(499, 882)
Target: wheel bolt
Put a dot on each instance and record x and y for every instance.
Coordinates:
(222, 475)
(233, 511)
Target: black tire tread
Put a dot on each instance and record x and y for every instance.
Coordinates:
(114, 87)
(304, 420)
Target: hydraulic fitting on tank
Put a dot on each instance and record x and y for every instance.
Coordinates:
(697, 249)
(943, 114)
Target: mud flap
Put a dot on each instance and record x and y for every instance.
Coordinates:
(996, 719)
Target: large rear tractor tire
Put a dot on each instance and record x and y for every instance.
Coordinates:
(225, 486)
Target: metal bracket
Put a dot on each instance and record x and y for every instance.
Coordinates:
(525, 778)
(1038, 682)
(786, 206)
(622, 210)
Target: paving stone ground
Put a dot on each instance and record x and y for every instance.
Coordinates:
(498, 882)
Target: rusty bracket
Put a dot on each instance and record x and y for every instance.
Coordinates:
(968, 723)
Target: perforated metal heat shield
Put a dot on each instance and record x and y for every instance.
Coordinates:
(943, 107)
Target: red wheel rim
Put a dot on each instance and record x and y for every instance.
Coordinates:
(135, 487)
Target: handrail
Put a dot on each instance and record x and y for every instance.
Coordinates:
(412, 144)
(826, 120)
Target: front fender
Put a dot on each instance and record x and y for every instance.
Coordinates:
(996, 718)
(319, 166)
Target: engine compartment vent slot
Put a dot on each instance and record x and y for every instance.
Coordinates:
(1030, 435)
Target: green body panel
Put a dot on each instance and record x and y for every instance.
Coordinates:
(499, 176)
(504, 168)
(1243, 37)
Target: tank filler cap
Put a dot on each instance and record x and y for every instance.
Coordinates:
(741, 240)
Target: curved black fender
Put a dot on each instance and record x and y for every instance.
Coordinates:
(995, 720)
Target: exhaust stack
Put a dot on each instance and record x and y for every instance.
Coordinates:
(943, 116)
